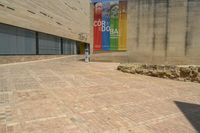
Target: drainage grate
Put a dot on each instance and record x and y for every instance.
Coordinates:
(1, 5)
(31, 12)
(5, 114)
(10, 8)
(4, 98)
(58, 23)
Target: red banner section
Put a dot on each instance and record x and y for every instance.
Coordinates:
(98, 7)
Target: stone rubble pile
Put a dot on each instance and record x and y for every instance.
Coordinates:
(182, 73)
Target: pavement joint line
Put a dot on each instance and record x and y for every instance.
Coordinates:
(160, 119)
(35, 61)
(152, 100)
(13, 124)
(38, 120)
(45, 119)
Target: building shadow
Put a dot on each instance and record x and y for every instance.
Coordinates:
(191, 112)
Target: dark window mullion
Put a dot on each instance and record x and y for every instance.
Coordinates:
(37, 44)
(62, 51)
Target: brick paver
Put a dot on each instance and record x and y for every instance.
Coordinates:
(61, 96)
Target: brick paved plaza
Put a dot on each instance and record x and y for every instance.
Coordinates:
(61, 96)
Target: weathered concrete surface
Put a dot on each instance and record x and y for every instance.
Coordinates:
(164, 31)
(62, 96)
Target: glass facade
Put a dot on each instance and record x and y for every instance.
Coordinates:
(18, 41)
(49, 44)
(69, 47)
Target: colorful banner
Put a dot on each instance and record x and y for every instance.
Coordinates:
(110, 25)
(98, 26)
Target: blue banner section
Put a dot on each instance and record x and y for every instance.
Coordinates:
(94, 1)
(106, 26)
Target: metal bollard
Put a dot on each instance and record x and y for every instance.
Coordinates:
(87, 55)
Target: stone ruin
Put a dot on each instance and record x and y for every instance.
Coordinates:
(181, 73)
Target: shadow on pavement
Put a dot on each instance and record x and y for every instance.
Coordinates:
(191, 112)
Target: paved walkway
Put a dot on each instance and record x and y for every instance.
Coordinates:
(58, 96)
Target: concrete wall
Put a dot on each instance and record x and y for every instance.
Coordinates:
(64, 18)
(164, 31)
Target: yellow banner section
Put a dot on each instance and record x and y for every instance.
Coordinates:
(122, 25)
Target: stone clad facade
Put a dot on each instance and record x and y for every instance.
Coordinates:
(63, 18)
(164, 31)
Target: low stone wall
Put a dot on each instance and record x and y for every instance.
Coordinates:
(17, 59)
(119, 57)
(182, 73)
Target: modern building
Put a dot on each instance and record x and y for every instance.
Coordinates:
(38, 27)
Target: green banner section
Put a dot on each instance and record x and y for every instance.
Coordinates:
(114, 25)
